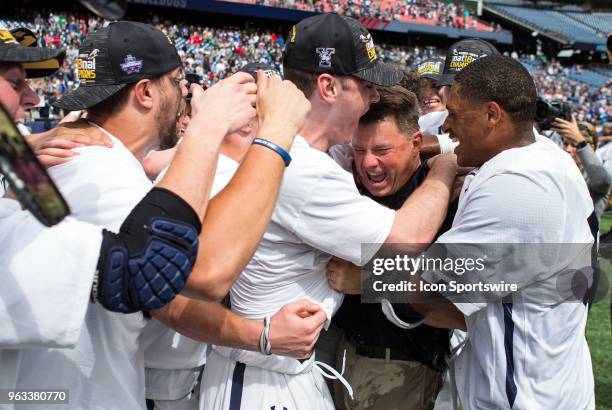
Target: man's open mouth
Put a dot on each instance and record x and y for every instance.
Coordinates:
(376, 177)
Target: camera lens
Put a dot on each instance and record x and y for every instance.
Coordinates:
(542, 109)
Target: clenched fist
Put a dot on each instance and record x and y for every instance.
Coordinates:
(282, 109)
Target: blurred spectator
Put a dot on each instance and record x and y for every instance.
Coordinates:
(580, 141)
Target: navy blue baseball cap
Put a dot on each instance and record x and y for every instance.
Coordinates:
(252, 68)
(340, 45)
(461, 54)
(431, 68)
(122, 53)
(17, 47)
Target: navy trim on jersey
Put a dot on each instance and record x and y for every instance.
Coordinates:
(237, 385)
(594, 227)
(509, 347)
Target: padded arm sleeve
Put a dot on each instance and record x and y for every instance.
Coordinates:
(147, 263)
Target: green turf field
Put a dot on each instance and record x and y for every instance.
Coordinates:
(599, 336)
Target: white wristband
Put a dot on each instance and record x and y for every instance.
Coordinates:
(389, 313)
(447, 145)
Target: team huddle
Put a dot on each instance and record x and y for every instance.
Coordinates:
(218, 240)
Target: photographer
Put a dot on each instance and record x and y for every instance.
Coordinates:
(580, 141)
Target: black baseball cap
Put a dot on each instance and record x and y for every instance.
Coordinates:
(252, 68)
(37, 61)
(122, 53)
(431, 68)
(340, 45)
(461, 54)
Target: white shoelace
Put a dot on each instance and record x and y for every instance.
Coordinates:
(322, 367)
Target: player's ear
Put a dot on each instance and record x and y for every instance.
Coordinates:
(494, 113)
(143, 93)
(417, 141)
(328, 87)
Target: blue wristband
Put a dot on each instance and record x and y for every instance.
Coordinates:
(269, 144)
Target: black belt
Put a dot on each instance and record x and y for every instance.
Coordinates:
(381, 352)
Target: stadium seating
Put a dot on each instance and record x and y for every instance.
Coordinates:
(554, 23)
(601, 22)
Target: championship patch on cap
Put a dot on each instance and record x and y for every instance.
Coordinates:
(7, 38)
(131, 65)
(24, 36)
(430, 69)
(369, 45)
(461, 59)
(325, 55)
(461, 54)
(86, 67)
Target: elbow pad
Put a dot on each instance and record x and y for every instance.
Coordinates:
(147, 263)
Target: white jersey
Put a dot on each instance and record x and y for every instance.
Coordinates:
(105, 370)
(343, 155)
(39, 306)
(518, 354)
(170, 358)
(319, 213)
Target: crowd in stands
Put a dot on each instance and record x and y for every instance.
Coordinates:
(214, 53)
(432, 12)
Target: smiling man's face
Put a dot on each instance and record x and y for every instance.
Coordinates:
(467, 123)
(431, 100)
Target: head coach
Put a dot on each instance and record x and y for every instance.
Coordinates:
(388, 168)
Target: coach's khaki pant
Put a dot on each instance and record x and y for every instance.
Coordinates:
(386, 385)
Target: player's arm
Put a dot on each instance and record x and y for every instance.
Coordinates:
(430, 146)
(422, 214)
(156, 161)
(294, 329)
(238, 216)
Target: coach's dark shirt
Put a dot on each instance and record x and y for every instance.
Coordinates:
(366, 324)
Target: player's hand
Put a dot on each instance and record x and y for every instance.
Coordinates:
(228, 105)
(295, 328)
(54, 147)
(569, 131)
(282, 109)
(343, 276)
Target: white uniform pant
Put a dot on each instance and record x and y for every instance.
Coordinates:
(229, 384)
